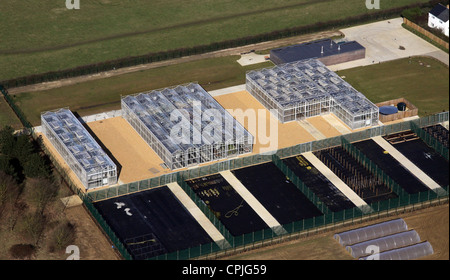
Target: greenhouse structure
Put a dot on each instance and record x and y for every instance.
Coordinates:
(371, 232)
(307, 88)
(185, 126)
(385, 243)
(78, 148)
(411, 252)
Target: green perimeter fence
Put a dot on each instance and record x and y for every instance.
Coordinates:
(242, 162)
(401, 203)
(16, 109)
(268, 236)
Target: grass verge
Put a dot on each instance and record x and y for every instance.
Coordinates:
(422, 80)
(103, 95)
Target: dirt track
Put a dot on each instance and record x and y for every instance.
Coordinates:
(220, 53)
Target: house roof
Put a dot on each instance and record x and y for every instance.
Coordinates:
(441, 12)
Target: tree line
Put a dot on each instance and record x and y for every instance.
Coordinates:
(30, 215)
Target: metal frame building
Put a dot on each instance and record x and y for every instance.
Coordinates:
(78, 148)
(307, 88)
(326, 51)
(185, 126)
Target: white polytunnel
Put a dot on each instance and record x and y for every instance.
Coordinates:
(383, 244)
(412, 252)
(371, 232)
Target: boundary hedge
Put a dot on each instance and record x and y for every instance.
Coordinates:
(201, 49)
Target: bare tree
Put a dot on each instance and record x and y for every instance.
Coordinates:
(41, 191)
(62, 236)
(32, 225)
(9, 189)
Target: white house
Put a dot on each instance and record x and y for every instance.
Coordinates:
(438, 18)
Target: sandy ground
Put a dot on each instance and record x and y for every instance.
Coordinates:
(135, 158)
(324, 126)
(288, 134)
(91, 241)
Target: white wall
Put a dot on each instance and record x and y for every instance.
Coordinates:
(434, 22)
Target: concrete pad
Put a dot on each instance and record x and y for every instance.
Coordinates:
(268, 132)
(252, 58)
(416, 171)
(128, 148)
(338, 183)
(382, 41)
(198, 215)
(324, 127)
(311, 129)
(336, 123)
(71, 201)
(227, 90)
(253, 202)
(440, 55)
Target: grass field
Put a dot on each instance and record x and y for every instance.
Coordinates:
(103, 95)
(7, 116)
(425, 87)
(41, 36)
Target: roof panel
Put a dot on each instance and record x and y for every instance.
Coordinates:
(162, 110)
(315, 49)
(78, 141)
(308, 80)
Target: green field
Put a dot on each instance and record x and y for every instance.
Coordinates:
(425, 87)
(103, 95)
(41, 36)
(7, 116)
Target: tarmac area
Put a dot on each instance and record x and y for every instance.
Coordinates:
(227, 205)
(426, 158)
(276, 193)
(152, 223)
(394, 169)
(359, 179)
(383, 40)
(334, 199)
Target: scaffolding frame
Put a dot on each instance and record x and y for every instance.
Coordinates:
(82, 153)
(307, 88)
(185, 126)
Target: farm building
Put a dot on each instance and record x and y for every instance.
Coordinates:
(327, 51)
(308, 88)
(79, 149)
(185, 126)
